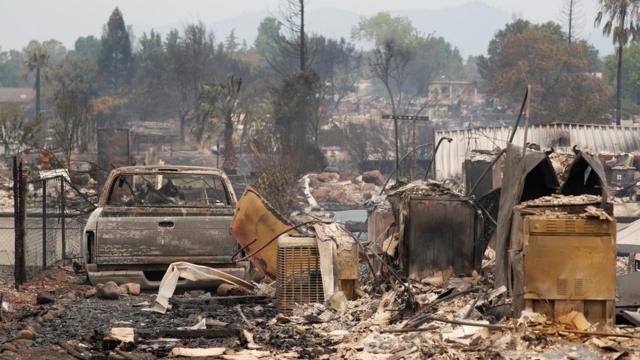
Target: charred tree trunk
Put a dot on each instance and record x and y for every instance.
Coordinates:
(303, 50)
(229, 164)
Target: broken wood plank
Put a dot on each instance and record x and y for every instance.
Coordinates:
(187, 333)
(473, 305)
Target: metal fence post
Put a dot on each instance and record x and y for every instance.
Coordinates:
(64, 219)
(16, 224)
(19, 272)
(44, 224)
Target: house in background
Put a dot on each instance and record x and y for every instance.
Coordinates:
(450, 92)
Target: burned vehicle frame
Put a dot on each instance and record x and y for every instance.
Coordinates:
(151, 216)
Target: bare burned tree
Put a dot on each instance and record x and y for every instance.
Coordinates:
(290, 47)
(389, 65)
(571, 17)
(294, 21)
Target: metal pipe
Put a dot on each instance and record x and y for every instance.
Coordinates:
(44, 224)
(433, 156)
(63, 225)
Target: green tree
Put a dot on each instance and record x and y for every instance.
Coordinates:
(269, 36)
(190, 60)
(73, 83)
(434, 58)
(231, 44)
(115, 61)
(55, 50)
(88, 46)
(630, 77)
(12, 67)
(151, 89)
(560, 73)
(383, 27)
(620, 20)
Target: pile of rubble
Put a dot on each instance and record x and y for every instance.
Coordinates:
(426, 283)
(463, 318)
(328, 188)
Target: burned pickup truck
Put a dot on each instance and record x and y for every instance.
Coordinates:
(151, 216)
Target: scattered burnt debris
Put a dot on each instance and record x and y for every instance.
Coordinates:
(424, 282)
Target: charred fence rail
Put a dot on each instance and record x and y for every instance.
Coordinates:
(45, 227)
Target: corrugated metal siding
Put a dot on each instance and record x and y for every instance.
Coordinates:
(597, 138)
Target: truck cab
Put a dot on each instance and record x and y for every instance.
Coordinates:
(151, 216)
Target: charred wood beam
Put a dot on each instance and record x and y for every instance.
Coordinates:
(449, 321)
(223, 300)
(423, 316)
(217, 332)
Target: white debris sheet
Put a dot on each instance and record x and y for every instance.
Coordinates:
(192, 272)
(628, 238)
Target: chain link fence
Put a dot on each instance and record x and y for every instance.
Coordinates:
(45, 227)
(7, 243)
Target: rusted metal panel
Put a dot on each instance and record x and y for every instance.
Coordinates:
(256, 226)
(525, 177)
(586, 176)
(113, 152)
(378, 225)
(443, 233)
(569, 263)
(628, 289)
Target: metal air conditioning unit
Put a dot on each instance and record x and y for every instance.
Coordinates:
(299, 280)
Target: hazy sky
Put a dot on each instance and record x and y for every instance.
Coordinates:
(65, 20)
